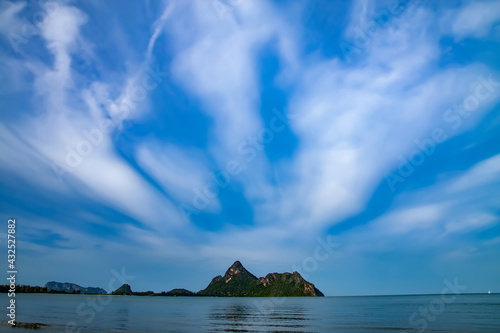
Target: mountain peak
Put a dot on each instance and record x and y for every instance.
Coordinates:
(237, 269)
(123, 290)
(237, 265)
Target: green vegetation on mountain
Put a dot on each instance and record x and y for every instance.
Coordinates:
(286, 284)
(239, 282)
(236, 282)
(177, 292)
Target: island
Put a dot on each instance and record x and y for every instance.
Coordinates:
(237, 281)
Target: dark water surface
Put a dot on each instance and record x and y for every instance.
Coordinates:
(434, 313)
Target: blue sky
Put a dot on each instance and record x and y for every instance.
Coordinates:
(173, 138)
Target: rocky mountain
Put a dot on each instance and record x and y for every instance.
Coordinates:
(72, 288)
(237, 281)
(123, 290)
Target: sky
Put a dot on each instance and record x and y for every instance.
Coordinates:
(355, 142)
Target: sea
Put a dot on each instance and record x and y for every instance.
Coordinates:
(421, 313)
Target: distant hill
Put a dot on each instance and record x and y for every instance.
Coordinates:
(178, 292)
(126, 290)
(123, 290)
(72, 288)
(237, 281)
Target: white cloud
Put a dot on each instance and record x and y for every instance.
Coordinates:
(473, 222)
(62, 28)
(473, 20)
(355, 122)
(492, 242)
(159, 24)
(434, 216)
(484, 173)
(406, 220)
(216, 60)
(60, 126)
(9, 23)
(23, 160)
(181, 172)
(359, 17)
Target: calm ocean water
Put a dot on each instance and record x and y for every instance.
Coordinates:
(73, 313)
